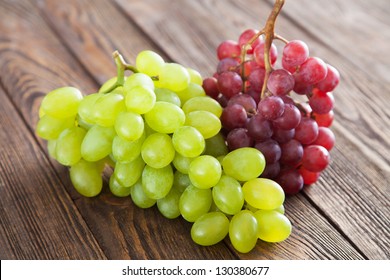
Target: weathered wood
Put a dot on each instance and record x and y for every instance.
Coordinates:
(38, 219)
(360, 107)
(27, 74)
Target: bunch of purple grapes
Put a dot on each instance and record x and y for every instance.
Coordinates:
(288, 118)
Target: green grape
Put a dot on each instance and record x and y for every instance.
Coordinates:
(97, 143)
(181, 181)
(107, 85)
(165, 117)
(68, 148)
(182, 163)
(157, 150)
(62, 102)
(192, 91)
(169, 204)
(128, 173)
(205, 172)
(107, 108)
(50, 128)
(86, 107)
(210, 229)
(139, 197)
(272, 225)
(140, 99)
(149, 62)
(117, 189)
(137, 79)
(129, 126)
(203, 103)
(244, 164)
(51, 148)
(82, 123)
(188, 141)
(243, 231)
(163, 94)
(208, 124)
(126, 151)
(195, 76)
(86, 178)
(216, 146)
(157, 183)
(173, 76)
(280, 209)
(228, 195)
(194, 203)
(263, 193)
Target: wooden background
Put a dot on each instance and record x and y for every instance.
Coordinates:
(45, 44)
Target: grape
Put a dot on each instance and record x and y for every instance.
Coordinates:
(228, 48)
(126, 151)
(210, 228)
(173, 76)
(86, 178)
(256, 79)
(117, 189)
(140, 99)
(157, 182)
(321, 102)
(243, 231)
(137, 80)
(272, 225)
(245, 100)
(49, 128)
(292, 152)
(283, 135)
(227, 64)
(68, 146)
(230, 84)
(182, 163)
(228, 195)
(302, 88)
(246, 36)
(193, 90)
(295, 53)
(86, 107)
(107, 85)
(97, 143)
(195, 76)
(165, 117)
(202, 103)
(324, 120)
(51, 148)
(234, 116)
(62, 103)
(254, 94)
(258, 54)
(215, 146)
(307, 131)
(271, 170)
(163, 94)
(205, 122)
(270, 149)
(194, 203)
(139, 197)
(308, 176)
(271, 108)
(169, 204)
(290, 180)
(188, 141)
(244, 164)
(129, 126)
(315, 158)
(331, 80)
(181, 181)
(205, 171)
(325, 138)
(149, 62)
(280, 82)
(238, 138)
(259, 129)
(312, 71)
(107, 107)
(157, 151)
(290, 118)
(210, 86)
(263, 193)
(128, 173)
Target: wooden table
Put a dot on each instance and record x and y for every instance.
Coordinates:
(49, 44)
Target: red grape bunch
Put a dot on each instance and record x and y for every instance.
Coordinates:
(284, 107)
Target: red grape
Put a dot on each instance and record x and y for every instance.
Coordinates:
(238, 138)
(312, 71)
(292, 153)
(210, 86)
(228, 48)
(331, 80)
(256, 79)
(321, 102)
(280, 82)
(307, 131)
(325, 138)
(233, 116)
(245, 100)
(258, 53)
(228, 64)
(295, 53)
(259, 129)
(271, 107)
(289, 119)
(308, 176)
(325, 120)
(229, 84)
(246, 36)
(290, 180)
(270, 149)
(315, 158)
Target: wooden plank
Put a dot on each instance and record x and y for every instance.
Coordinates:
(77, 45)
(367, 148)
(38, 219)
(122, 230)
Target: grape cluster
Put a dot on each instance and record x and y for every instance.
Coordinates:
(160, 134)
(284, 110)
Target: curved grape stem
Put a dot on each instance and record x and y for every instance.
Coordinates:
(278, 37)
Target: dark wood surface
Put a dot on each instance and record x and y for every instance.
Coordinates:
(45, 44)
